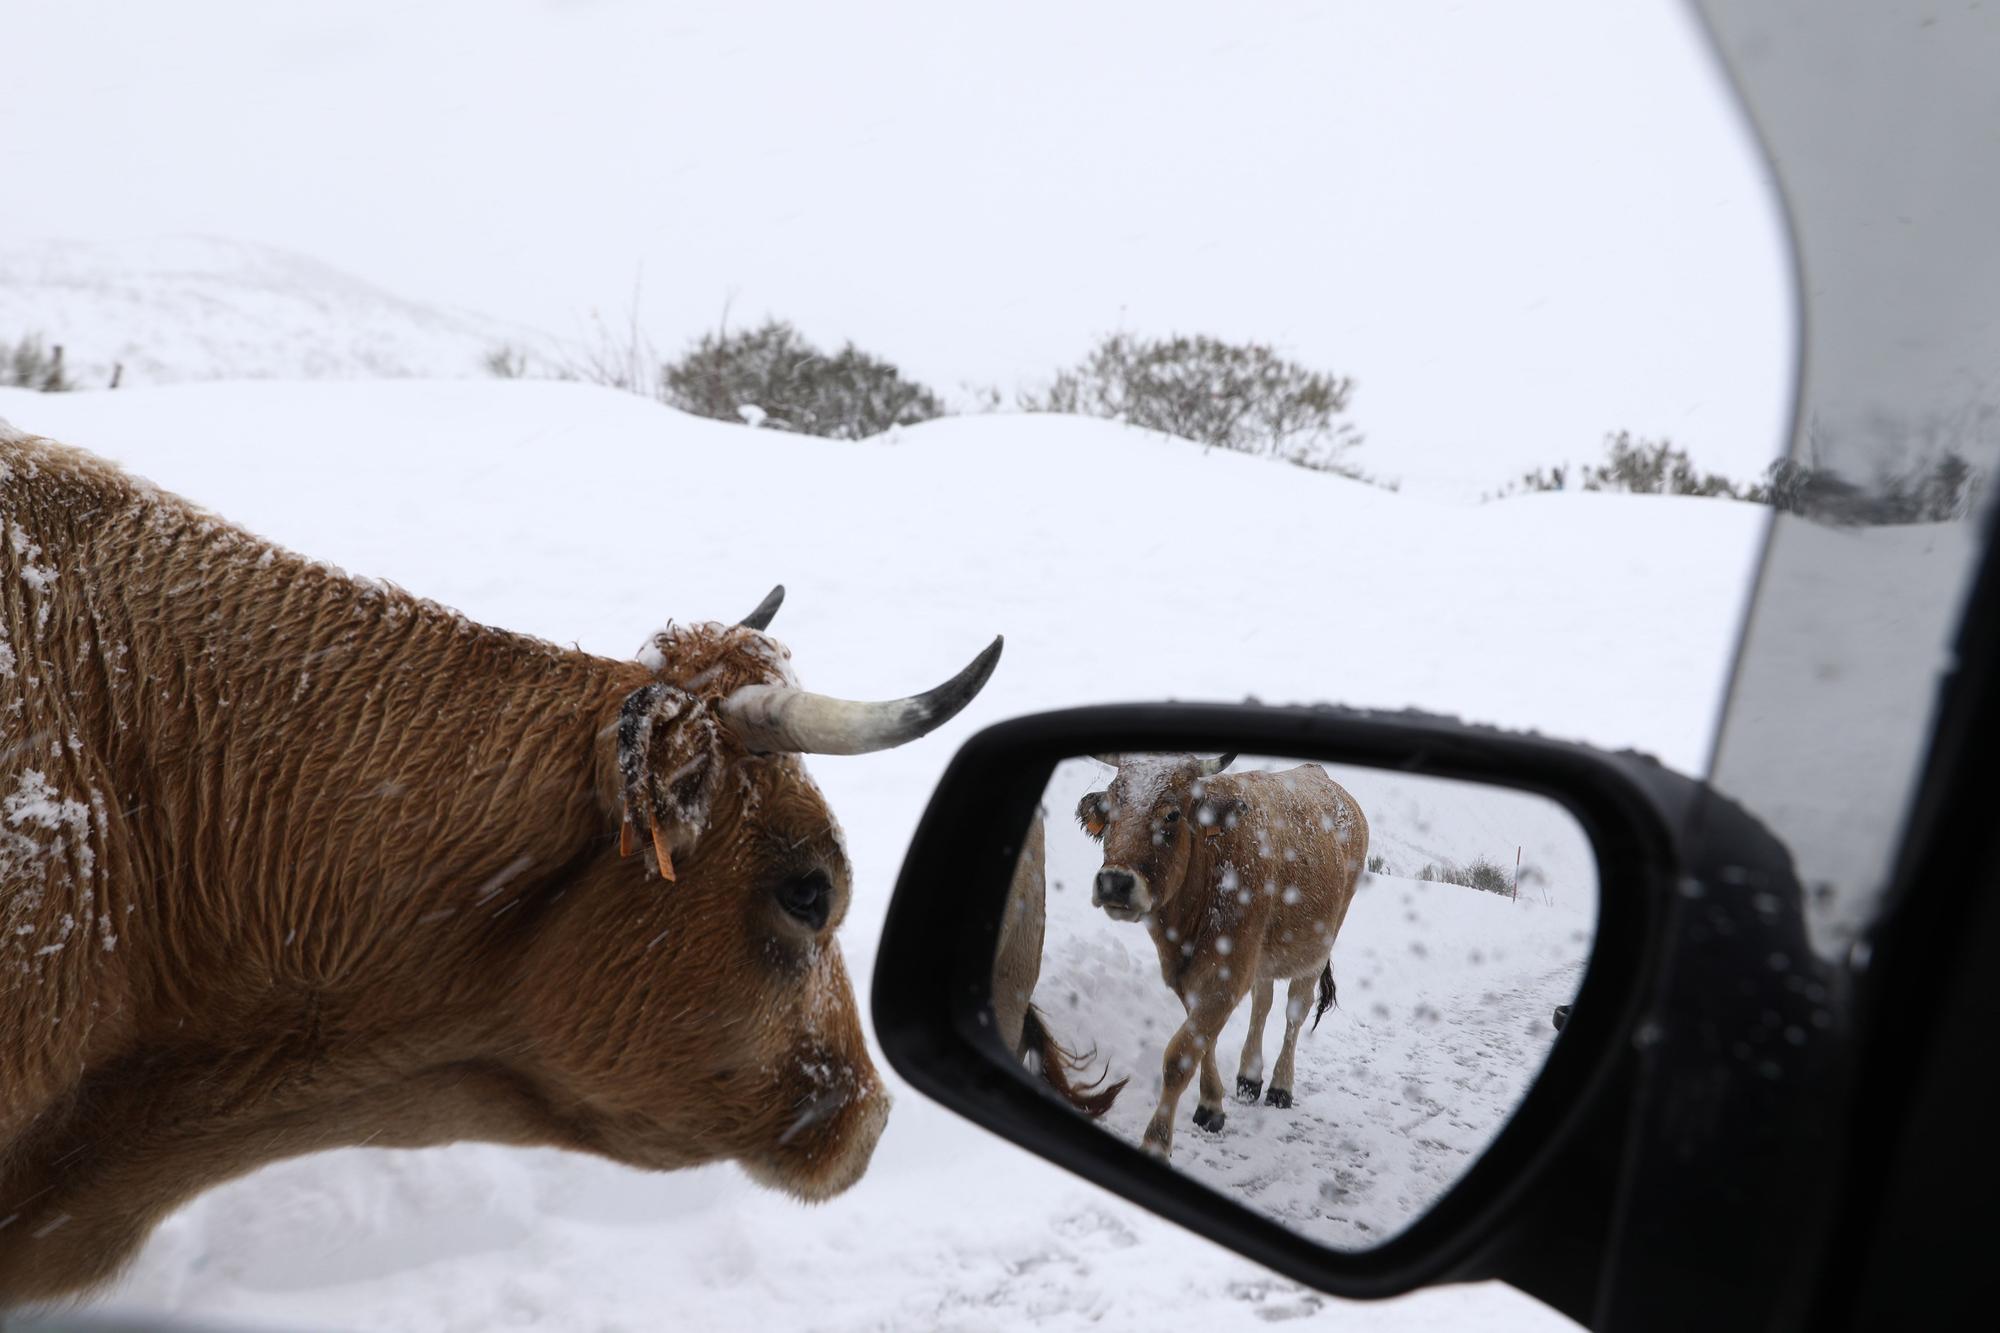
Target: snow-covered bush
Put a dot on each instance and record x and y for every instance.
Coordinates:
(506, 361)
(1240, 396)
(1479, 873)
(26, 364)
(794, 386)
(1638, 467)
(1938, 486)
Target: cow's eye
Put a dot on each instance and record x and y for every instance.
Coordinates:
(807, 899)
(1172, 815)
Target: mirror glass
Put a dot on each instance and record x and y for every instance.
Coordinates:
(1318, 989)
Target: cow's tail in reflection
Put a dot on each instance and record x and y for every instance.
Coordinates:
(1328, 994)
(1056, 1063)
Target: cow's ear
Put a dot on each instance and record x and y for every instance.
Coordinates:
(669, 762)
(1219, 813)
(1093, 813)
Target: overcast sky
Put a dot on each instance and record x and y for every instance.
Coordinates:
(1517, 227)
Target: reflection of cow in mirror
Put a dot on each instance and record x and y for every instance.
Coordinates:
(1017, 966)
(1242, 880)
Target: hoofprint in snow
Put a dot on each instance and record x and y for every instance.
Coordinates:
(588, 516)
(1446, 995)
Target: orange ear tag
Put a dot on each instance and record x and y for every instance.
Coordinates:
(1095, 828)
(627, 844)
(665, 858)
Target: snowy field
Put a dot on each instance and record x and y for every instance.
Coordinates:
(1443, 1021)
(589, 517)
(166, 310)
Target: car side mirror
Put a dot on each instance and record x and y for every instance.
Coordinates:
(1117, 928)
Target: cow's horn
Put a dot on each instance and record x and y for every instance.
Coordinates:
(760, 619)
(1210, 767)
(780, 719)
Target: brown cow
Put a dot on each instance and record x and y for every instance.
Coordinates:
(1017, 967)
(1242, 880)
(291, 861)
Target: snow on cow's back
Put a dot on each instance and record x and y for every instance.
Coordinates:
(1303, 799)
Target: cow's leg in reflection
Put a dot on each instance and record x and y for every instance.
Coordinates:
(1250, 1069)
(1298, 1002)
(1193, 1044)
(1208, 1113)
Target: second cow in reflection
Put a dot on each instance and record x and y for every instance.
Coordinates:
(1017, 968)
(1242, 880)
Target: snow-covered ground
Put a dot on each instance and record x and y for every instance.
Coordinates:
(1121, 565)
(171, 309)
(1443, 1021)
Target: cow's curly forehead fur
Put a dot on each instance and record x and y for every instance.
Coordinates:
(713, 661)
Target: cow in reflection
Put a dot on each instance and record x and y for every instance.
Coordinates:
(1017, 967)
(1242, 880)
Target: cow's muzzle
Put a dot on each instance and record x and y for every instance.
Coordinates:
(1121, 893)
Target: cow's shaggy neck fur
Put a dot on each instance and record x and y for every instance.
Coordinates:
(171, 976)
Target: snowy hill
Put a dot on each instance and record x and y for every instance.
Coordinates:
(200, 308)
(1120, 566)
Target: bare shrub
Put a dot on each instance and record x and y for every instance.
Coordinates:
(771, 375)
(1937, 483)
(507, 362)
(27, 364)
(1238, 396)
(1482, 874)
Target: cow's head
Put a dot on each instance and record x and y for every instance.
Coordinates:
(1148, 819)
(688, 1000)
